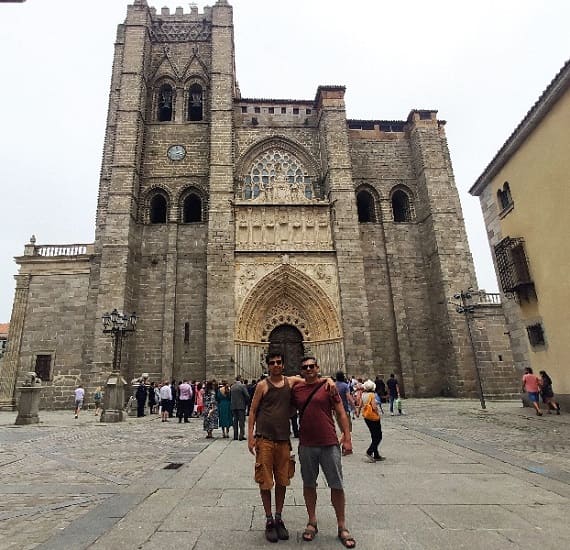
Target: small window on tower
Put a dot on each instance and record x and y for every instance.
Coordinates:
(283, 110)
(158, 209)
(192, 209)
(257, 109)
(402, 208)
(271, 110)
(187, 332)
(365, 207)
(195, 103)
(244, 109)
(295, 110)
(164, 113)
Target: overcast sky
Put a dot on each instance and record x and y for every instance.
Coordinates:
(481, 64)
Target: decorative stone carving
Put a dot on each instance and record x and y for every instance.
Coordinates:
(277, 176)
(274, 228)
(178, 31)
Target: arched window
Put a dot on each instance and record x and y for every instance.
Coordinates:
(402, 208)
(192, 209)
(195, 103)
(276, 167)
(504, 196)
(164, 103)
(158, 209)
(365, 206)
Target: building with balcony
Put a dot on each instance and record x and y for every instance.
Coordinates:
(524, 194)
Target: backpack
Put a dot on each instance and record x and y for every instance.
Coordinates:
(368, 411)
(97, 396)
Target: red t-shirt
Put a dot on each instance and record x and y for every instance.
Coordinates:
(317, 428)
(531, 383)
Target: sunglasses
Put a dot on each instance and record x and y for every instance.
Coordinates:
(276, 362)
(307, 367)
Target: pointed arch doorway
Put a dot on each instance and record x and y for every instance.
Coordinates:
(288, 341)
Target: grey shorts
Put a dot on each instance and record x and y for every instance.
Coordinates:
(328, 458)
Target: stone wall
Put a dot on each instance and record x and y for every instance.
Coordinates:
(55, 316)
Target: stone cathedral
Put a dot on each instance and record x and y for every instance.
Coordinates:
(233, 225)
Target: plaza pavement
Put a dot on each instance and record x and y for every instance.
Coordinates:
(454, 477)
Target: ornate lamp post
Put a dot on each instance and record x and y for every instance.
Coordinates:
(464, 305)
(119, 326)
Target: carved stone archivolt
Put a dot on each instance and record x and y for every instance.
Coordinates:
(288, 296)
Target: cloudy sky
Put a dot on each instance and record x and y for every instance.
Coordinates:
(481, 64)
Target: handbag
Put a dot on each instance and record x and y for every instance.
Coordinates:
(368, 411)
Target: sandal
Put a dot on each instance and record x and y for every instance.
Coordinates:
(346, 538)
(309, 534)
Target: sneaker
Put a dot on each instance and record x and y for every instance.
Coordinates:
(271, 531)
(75, 416)
(282, 532)
(370, 458)
(379, 458)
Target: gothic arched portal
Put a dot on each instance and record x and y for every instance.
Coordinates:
(287, 296)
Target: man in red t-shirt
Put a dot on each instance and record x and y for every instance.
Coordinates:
(319, 446)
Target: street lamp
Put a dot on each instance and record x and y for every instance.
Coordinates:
(464, 305)
(119, 326)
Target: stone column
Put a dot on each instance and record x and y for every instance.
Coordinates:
(333, 134)
(169, 316)
(11, 363)
(220, 315)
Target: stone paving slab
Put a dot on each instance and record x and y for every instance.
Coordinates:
(454, 477)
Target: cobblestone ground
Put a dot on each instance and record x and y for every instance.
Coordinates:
(55, 472)
(504, 426)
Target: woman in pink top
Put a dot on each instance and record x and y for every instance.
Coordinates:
(531, 384)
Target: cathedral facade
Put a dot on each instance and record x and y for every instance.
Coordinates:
(235, 225)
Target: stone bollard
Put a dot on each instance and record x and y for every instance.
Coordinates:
(29, 402)
(114, 399)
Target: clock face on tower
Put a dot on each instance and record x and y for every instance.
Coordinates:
(176, 152)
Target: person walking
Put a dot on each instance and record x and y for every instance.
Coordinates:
(210, 409)
(224, 408)
(165, 398)
(345, 396)
(370, 403)
(97, 397)
(380, 390)
(319, 447)
(547, 393)
(393, 391)
(184, 401)
(151, 399)
(531, 384)
(79, 396)
(239, 400)
(268, 440)
(140, 396)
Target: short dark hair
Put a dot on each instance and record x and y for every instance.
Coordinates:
(309, 358)
(340, 376)
(271, 355)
